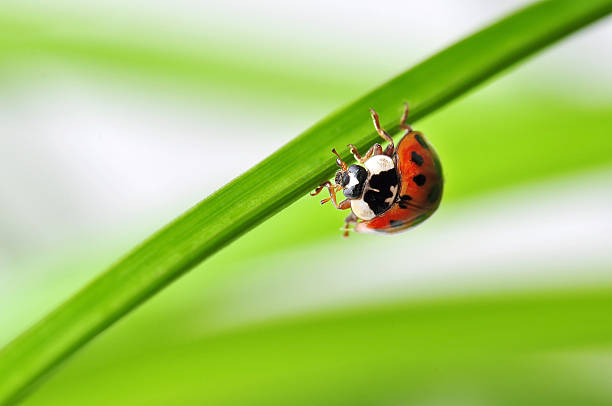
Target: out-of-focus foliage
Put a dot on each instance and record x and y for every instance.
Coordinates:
(480, 348)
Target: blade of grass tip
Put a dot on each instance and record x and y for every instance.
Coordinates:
(278, 181)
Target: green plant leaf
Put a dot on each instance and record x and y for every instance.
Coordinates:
(396, 350)
(278, 181)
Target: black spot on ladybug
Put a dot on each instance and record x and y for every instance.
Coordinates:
(419, 179)
(434, 193)
(416, 158)
(420, 140)
(403, 199)
(396, 223)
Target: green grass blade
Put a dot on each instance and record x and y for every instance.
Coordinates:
(278, 181)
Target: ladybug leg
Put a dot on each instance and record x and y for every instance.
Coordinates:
(343, 205)
(385, 135)
(402, 123)
(332, 192)
(376, 149)
(321, 187)
(350, 219)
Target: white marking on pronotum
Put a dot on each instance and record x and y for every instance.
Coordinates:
(390, 200)
(378, 164)
(362, 209)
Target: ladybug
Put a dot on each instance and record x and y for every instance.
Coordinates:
(389, 190)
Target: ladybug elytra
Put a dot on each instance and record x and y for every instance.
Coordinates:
(389, 190)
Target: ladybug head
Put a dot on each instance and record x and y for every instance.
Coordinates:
(350, 179)
(342, 178)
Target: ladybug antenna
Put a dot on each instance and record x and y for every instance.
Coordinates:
(339, 160)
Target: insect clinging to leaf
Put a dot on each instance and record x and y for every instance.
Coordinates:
(390, 189)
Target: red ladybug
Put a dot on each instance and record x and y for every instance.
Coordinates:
(392, 189)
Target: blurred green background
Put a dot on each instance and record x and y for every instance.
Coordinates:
(116, 117)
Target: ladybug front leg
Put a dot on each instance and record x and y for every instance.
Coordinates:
(343, 205)
(332, 192)
(376, 149)
(385, 135)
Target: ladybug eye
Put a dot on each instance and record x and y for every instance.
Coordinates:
(338, 179)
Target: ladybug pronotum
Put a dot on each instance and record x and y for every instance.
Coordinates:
(389, 190)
